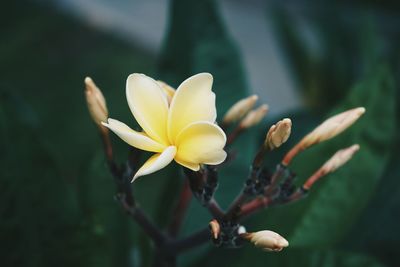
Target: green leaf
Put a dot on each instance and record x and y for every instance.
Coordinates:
(320, 62)
(376, 231)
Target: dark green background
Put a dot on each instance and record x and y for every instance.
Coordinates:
(56, 193)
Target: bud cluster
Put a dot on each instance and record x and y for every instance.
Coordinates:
(263, 188)
(227, 234)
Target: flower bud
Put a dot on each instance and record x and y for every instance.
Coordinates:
(96, 102)
(266, 240)
(327, 130)
(254, 117)
(239, 109)
(332, 126)
(215, 228)
(167, 89)
(340, 158)
(278, 134)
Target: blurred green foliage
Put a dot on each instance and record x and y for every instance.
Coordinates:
(57, 195)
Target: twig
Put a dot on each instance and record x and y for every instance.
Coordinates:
(180, 209)
(141, 218)
(124, 190)
(275, 179)
(214, 209)
(235, 206)
(203, 186)
(253, 206)
(194, 240)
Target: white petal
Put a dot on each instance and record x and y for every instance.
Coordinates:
(193, 101)
(133, 138)
(201, 142)
(156, 162)
(149, 105)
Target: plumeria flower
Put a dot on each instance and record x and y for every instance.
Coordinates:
(177, 125)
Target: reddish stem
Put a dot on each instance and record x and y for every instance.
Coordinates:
(313, 178)
(215, 209)
(254, 206)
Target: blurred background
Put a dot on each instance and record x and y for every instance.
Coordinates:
(306, 59)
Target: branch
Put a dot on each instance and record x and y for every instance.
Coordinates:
(254, 206)
(194, 240)
(214, 209)
(203, 186)
(141, 218)
(180, 209)
(124, 190)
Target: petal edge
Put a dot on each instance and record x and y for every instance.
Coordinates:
(156, 162)
(132, 137)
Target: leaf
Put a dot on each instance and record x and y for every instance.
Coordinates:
(376, 231)
(312, 44)
(56, 190)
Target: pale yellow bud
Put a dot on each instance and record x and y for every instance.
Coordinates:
(340, 158)
(215, 228)
(327, 130)
(332, 126)
(239, 109)
(278, 134)
(266, 240)
(254, 117)
(168, 90)
(96, 102)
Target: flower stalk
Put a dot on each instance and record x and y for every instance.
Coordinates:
(175, 126)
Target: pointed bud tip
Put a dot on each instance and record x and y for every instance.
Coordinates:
(263, 107)
(254, 97)
(340, 158)
(95, 101)
(239, 109)
(283, 242)
(361, 110)
(88, 80)
(355, 147)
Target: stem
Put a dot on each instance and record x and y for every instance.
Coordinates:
(214, 209)
(141, 218)
(180, 209)
(243, 196)
(254, 206)
(124, 190)
(313, 178)
(235, 206)
(189, 242)
(275, 179)
(287, 159)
